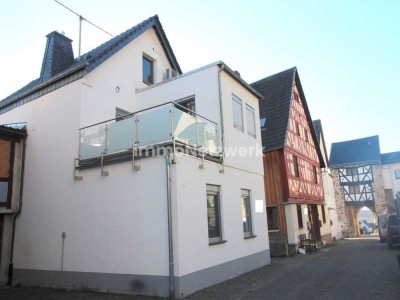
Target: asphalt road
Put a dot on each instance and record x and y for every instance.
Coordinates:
(353, 269)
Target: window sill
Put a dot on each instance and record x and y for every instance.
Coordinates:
(273, 230)
(250, 237)
(211, 243)
(148, 83)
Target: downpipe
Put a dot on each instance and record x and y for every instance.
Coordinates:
(170, 240)
(21, 188)
(221, 110)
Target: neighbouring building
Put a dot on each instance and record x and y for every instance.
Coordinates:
(129, 186)
(362, 178)
(12, 147)
(390, 164)
(292, 165)
(327, 180)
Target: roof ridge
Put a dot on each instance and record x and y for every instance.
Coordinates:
(274, 75)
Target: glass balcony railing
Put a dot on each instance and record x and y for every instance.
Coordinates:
(152, 127)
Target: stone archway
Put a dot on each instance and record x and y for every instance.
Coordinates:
(352, 212)
(367, 217)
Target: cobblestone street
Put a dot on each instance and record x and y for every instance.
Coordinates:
(353, 269)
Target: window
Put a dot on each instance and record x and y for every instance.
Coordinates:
(354, 189)
(213, 213)
(263, 121)
(352, 171)
(315, 174)
(3, 192)
(306, 135)
(246, 214)
(237, 113)
(296, 166)
(272, 218)
(397, 174)
(323, 214)
(121, 113)
(297, 129)
(148, 70)
(187, 105)
(299, 216)
(251, 127)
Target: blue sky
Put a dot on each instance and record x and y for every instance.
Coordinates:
(347, 52)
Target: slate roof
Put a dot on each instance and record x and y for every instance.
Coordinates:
(318, 128)
(277, 91)
(97, 56)
(355, 152)
(390, 158)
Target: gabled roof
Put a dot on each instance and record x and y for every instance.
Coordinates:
(320, 135)
(277, 91)
(390, 158)
(365, 151)
(97, 56)
(318, 129)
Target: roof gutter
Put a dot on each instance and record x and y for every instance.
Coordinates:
(44, 84)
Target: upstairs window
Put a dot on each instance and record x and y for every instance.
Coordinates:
(306, 135)
(188, 105)
(296, 166)
(237, 113)
(251, 126)
(148, 70)
(121, 114)
(397, 174)
(263, 121)
(297, 129)
(354, 189)
(315, 174)
(352, 171)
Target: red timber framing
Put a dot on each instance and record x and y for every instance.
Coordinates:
(299, 143)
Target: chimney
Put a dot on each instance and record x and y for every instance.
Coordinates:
(58, 55)
(237, 73)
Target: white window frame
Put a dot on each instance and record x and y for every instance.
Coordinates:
(153, 69)
(237, 100)
(250, 113)
(247, 217)
(215, 190)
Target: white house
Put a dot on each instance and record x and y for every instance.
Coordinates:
(390, 165)
(327, 181)
(138, 178)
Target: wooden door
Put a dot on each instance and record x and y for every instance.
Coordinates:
(314, 221)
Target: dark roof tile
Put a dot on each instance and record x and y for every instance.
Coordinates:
(355, 152)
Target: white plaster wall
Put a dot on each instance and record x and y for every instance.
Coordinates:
(336, 228)
(192, 242)
(240, 140)
(292, 223)
(125, 71)
(389, 179)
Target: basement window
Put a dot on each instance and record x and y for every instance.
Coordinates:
(3, 192)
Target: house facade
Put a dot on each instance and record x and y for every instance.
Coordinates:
(327, 182)
(12, 147)
(128, 184)
(292, 164)
(359, 181)
(390, 164)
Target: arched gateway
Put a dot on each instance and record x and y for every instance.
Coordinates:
(358, 181)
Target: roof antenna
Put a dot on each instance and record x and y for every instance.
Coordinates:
(80, 27)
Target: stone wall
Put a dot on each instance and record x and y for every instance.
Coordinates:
(383, 204)
(340, 205)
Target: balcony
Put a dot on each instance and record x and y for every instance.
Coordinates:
(167, 125)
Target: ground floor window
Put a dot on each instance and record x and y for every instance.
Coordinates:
(323, 213)
(213, 213)
(272, 218)
(246, 213)
(299, 216)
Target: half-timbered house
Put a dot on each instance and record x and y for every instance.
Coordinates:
(292, 163)
(358, 181)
